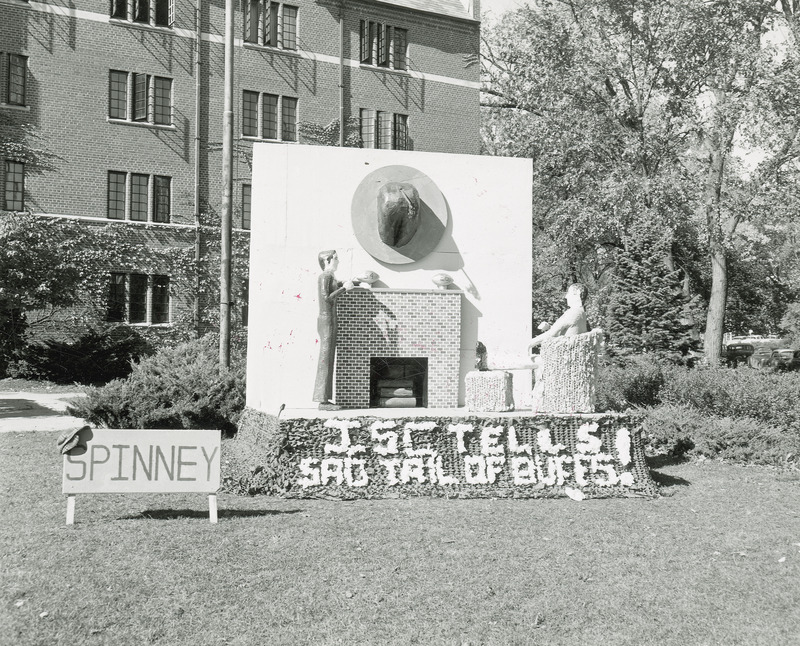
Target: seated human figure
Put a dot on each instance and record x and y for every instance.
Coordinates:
(571, 322)
(564, 374)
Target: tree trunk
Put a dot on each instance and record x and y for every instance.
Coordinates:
(716, 304)
(712, 342)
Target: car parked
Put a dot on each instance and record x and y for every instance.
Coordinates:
(785, 359)
(760, 357)
(735, 353)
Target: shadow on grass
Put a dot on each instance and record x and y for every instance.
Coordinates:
(663, 479)
(173, 514)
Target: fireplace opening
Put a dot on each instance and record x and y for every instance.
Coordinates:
(396, 382)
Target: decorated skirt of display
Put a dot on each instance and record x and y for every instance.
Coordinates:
(546, 455)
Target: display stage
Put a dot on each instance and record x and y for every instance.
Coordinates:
(454, 453)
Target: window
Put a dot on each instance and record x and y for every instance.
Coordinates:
(118, 95)
(289, 119)
(139, 190)
(116, 195)
(150, 98)
(250, 114)
(400, 132)
(116, 299)
(383, 45)
(161, 198)
(156, 13)
(14, 186)
(16, 79)
(367, 125)
(289, 28)
(162, 101)
(247, 197)
(139, 197)
(272, 24)
(399, 47)
(160, 300)
(269, 116)
(138, 298)
(383, 130)
(141, 11)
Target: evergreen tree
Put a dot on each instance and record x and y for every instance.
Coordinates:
(647, 309)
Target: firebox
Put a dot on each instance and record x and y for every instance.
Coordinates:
(399, 382)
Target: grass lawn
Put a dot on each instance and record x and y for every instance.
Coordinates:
(714, 561)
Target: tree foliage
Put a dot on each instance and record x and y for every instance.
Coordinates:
(681, 113)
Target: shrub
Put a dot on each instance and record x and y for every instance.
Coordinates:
(737, 393)
(633, 382)
(97, 357)
(679, 430)
(178, 387)
(251, 460)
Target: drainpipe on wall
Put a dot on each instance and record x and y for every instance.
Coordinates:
(197, 240)
(341, 74)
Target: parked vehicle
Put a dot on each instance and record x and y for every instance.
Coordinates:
(735, 353)
(785, 359)
(760, 357)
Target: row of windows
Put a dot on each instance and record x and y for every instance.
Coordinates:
(266, 115)
(383, 45)
(138, 298)
(145, 299)
(139, 197)
(272, 24)
(139, 97)
(157, 13)
(384, 130)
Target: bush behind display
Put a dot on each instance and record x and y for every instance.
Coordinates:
(100, 355)
(742, 415)
(178, 387)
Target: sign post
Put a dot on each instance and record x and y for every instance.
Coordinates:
(144, 461)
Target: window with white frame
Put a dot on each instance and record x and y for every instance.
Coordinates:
(269, 116)
(13, 185)
(142, 98)
(15, 86)
(383, 130)
(138, 299)
(271, 24)
(139, 197)
(156, 13)
(383, 45)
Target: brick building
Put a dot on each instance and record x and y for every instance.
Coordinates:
(129, 95)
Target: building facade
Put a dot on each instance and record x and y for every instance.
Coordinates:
(128, 94)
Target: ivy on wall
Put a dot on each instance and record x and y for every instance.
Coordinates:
(54, 274)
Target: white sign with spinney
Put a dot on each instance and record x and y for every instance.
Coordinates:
(144, 461)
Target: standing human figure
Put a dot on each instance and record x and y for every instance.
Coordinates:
(328, 288)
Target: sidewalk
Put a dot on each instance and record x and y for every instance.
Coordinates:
(26, 411)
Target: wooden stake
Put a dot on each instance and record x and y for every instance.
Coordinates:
(70, 509)
(212, 508)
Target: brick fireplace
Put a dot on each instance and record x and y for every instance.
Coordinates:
(399, 330)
